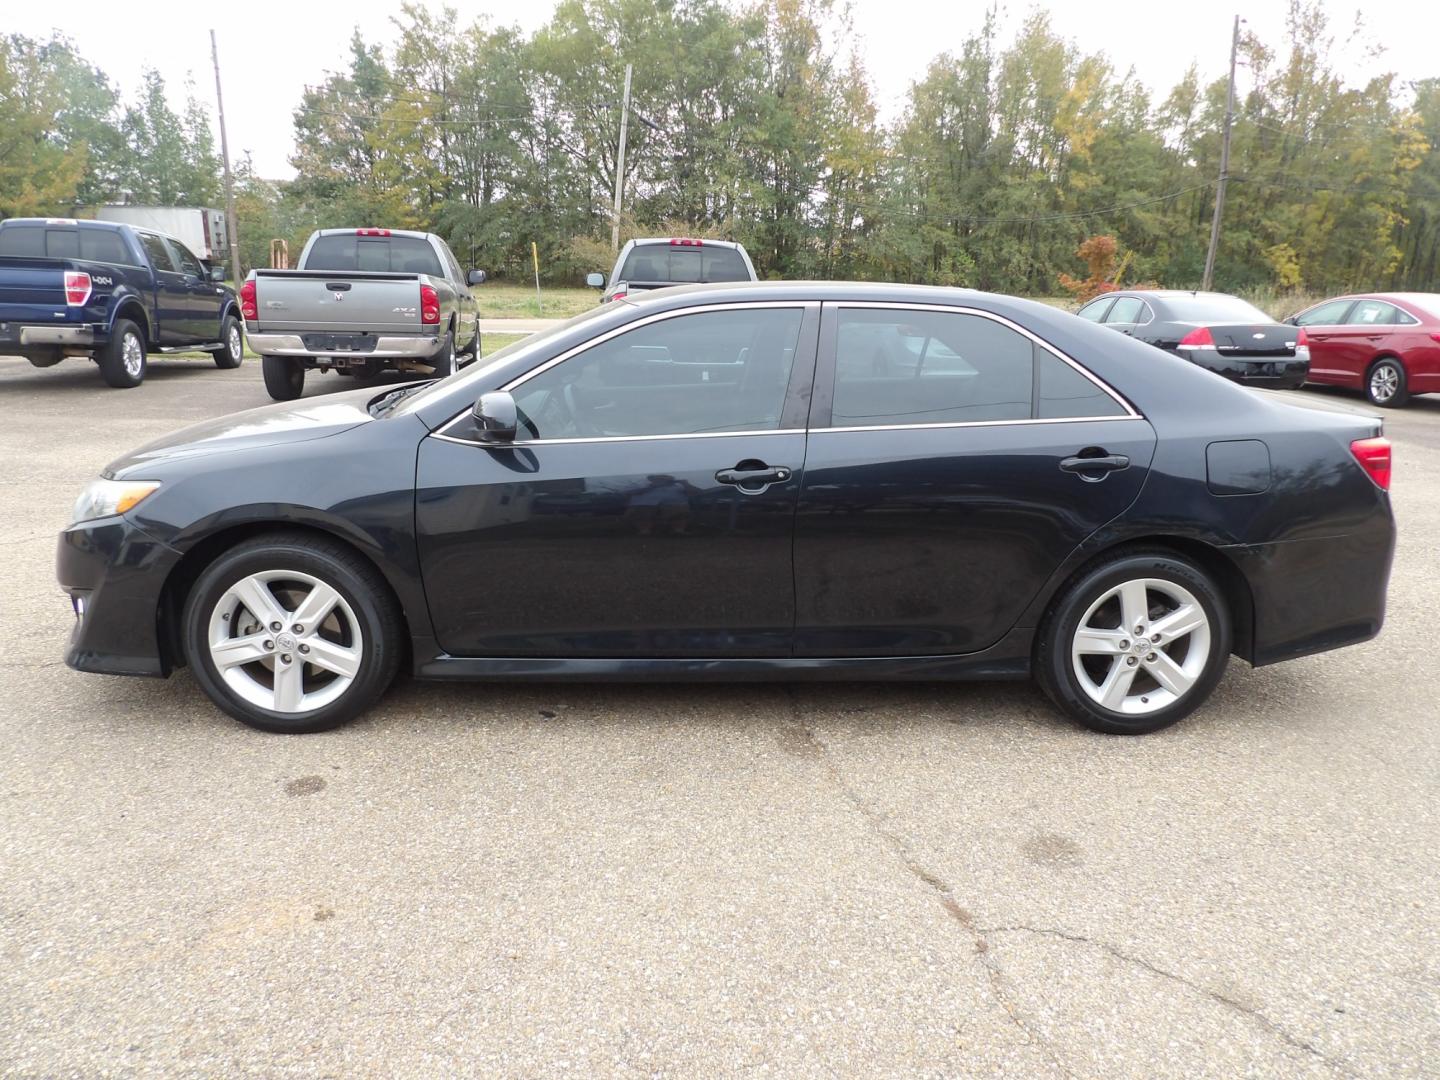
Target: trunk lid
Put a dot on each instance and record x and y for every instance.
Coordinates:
(1257, 339)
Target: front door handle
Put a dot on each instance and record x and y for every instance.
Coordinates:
(753, 477)
(1095, 468)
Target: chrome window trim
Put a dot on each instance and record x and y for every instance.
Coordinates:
(1129, 411)
(981, 423)
(518, 443)
(659, 316)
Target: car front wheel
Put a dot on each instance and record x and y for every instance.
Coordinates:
(1135, 643)
(292, 633)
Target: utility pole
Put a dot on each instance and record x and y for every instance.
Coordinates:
(1224, 161)
(620, 163)
(230, 224)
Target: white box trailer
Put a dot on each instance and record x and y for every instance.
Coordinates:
(201, 229)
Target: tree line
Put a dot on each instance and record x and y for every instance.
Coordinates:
(758, 123)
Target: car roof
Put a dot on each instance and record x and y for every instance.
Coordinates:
(388, 232)
(643, 240)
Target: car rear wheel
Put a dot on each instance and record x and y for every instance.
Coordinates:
(1385, 385)
(444, 360)
(292, 633)
(1134, 643)
(232, 345)
(284, 377)
(122, 360)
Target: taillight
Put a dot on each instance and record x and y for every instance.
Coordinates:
(1435, 337)
(429, 305)
(677, 242)
(248, 307)
(1374, 457)
(1199, 338)
(77, 288)
(1302, 339)
(372, 232)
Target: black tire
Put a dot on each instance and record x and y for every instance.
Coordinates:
(232, 349)
(284, 377)
(123, 361)
(1055, 666)
(1391, 374)
(360, 586)
(444, 359)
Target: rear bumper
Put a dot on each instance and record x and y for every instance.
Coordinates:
(411, 346)
(74, 337)
(1277, 372)
(113, 573)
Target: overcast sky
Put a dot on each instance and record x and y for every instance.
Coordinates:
(269, 49)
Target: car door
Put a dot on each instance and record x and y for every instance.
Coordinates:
(938, 499)
(1323, 330)
(1368, 326)
(202, 296)
(647, 508)
(172, 294)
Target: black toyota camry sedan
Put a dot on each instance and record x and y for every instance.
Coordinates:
(1227, 335)
(778, 481)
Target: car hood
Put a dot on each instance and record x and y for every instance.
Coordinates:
(291, 422)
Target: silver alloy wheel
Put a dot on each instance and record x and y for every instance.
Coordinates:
(233, 343)
(132, 355)
(1141, 646)
(285, 641)
(1384, 382)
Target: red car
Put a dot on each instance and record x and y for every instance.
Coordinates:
(1387, 344)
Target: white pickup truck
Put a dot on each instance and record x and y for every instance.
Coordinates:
(358, 302)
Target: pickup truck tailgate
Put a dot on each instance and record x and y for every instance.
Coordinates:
(31, 290)
(300, 301)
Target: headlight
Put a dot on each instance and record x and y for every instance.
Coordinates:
(106, 498)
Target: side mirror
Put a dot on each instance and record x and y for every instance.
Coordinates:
(1291, 320)
(216, 273)
(496, 416)
(475, 277)
(595, 281)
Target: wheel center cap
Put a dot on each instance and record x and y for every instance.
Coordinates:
(286, 641)
(1142, 645)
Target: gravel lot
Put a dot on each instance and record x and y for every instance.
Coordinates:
(880, 880)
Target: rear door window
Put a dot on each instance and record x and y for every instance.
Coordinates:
(159, 253)
(102, 245)
(1095, 310)
(376, 254)
(1373, 313)
(684, 264)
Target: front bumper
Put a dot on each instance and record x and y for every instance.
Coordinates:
(113, 572)
(412, 346)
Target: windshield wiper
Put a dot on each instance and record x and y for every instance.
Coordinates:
(385, 404)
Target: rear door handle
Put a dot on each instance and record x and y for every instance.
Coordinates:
(1101, 464)
(753, 481)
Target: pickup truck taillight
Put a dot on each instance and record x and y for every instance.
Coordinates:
(77, 288)
(248, 308)
(429, 306)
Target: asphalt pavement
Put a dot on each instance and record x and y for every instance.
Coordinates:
(926, 880)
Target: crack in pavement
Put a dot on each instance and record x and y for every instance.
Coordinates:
(1228, 1002)
(901, 848)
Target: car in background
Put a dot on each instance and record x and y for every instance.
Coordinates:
(1219, 332)
(658, 263)
(359, 302)
(722, 483)
(113, 293)
(1386, 344)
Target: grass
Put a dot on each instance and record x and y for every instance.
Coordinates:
(508, 300)
(490, 343)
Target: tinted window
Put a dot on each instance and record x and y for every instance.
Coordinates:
(383, 254)
(1126, 310)
(1214, 309)
(683, 263)
(187, 263)
(1095, 310)
(1331, 314)
(927, 367)
(37, 241)
(1063, 391)
(711, 371)
(158, 252)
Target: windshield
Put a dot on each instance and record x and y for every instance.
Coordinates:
(1214, 309)
(683, 264)
(535, 341)
(386, 254)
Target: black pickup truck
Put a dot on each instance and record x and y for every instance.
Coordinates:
(111, 292)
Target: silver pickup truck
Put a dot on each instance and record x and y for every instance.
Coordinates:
(358, 302)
